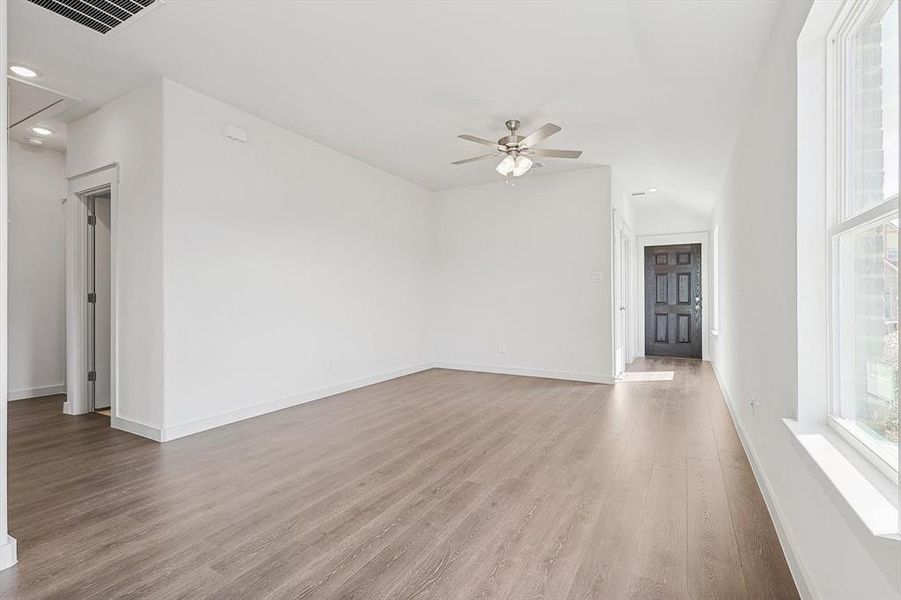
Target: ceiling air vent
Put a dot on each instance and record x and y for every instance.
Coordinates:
(99, 15)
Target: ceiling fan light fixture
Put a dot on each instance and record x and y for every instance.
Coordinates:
(521, 165)
(515, 147)
(506, 166)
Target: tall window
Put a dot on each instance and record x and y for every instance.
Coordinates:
(864, 228)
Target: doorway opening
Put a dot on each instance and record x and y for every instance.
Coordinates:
(98, 275)
(673, 300)
(91, 349)
(623, 351)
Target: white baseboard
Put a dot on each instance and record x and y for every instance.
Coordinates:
(799, 573)
(26, 393)
(505, 370)
(184, 429)
(147, 431)
(8, 552)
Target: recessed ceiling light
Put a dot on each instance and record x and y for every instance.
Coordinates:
(23, 71)
(42, 130)
(653, 190)
(34, 141)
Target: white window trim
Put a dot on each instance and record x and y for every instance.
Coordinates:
(839, 221)
(850, 473)
(837, 401)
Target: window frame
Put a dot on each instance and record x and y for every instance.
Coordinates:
(840, 220)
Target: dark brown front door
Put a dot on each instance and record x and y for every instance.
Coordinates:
(672, 303)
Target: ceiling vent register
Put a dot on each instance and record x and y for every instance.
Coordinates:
(100, 15)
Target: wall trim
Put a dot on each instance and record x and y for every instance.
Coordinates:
(147, 431)
(174, 432)
(800, 574)
(527, 372)
(36, 392)
(8, 552)
(167, 434)
(192, 427)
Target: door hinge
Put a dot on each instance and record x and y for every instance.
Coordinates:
(92, 220)
(92, 375)
(92, 298)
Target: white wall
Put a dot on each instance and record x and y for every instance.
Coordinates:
(129, 131)
(37, 272)
(289, 267)
(663, 218)
(264, 274)
(757, 233)
(513, 267)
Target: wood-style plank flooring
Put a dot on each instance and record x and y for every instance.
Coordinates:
(442, 484)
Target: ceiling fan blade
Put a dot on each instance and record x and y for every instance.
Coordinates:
(555, 153)
(478, 140)
(469, 160)
(539, 134)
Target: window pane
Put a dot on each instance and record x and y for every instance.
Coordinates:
(874, 123)
(868, 330)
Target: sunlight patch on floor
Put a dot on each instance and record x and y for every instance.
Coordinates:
(632, 376)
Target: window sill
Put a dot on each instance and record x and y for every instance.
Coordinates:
(864, 489)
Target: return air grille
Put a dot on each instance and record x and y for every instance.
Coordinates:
(99, 15)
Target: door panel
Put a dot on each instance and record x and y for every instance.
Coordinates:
(102, 319)
(99, 302)
(673, 301)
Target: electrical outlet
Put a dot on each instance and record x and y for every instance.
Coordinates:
(327, 364)
(501, 348)
(597, 277)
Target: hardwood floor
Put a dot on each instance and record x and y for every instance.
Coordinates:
(442, 484)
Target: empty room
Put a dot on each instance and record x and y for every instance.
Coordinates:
(508, 299)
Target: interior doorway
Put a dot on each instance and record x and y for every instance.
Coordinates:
(622, 295)
(673, 301)
(99, 314)
(91, 308)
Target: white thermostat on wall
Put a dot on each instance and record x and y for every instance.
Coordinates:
(236, 133)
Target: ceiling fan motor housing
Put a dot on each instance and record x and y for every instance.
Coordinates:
(512, 139)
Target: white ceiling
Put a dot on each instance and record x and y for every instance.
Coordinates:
(31, 106)
(654, 89)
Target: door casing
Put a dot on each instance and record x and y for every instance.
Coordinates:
(696, 237)
(622, 292)
(673, 297)
(79, 186)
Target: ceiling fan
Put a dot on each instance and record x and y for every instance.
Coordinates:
(517, 149)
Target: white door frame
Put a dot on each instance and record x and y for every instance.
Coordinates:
(622, 290)
(697, 237)
(77, 399)
(628, 249)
